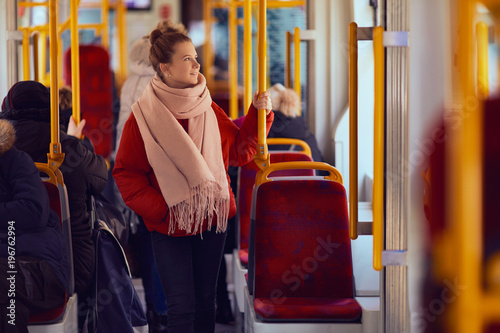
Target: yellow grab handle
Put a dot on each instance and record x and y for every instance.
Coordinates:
(378, 165)
(233, 62)
(353, 130)
(287, 141)
(75, 60)
(262, 157)
(247, 57)
(55, 156)
(296, 67)
(55, 176)
(36, 68)
(482, 60)
(262, 174)
(288, 60)
(26, 54)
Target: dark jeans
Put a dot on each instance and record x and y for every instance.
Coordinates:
(188, 268)
(37, 289)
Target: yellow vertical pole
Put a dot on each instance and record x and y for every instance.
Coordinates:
(208, 57)
(482, 59)
(122, 40)
(233, 62)
(36, 67)
(247, 60)
(75, 61)
(105, 23)
(288, 59)
(43, 57)
(55, 156)
(378, 164)
(59, 58)
(26, 54)
(464, 186)
(296, 81)
(262, 157)
(353, 130)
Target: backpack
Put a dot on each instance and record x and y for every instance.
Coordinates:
(115, 304)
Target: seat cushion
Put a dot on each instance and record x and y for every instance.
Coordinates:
(307, 308)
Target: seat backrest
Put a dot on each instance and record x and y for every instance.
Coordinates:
(58, 199)
(300, 242)
(96, 95)
(246, 181)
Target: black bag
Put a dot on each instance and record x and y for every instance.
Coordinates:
(115, 304)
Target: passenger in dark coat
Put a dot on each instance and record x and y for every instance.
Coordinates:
(287, 122)
(31, 255)
(27, 106)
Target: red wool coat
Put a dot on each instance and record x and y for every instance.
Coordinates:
(137, 181)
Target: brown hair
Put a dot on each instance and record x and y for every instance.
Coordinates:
(171, 26)
(163, 47)
(65, 98)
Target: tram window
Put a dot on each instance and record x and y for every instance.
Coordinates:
(138, 4)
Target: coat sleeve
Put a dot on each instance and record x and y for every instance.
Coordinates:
(95, 169)
(132, 175)
(242, 143)
(28, 205)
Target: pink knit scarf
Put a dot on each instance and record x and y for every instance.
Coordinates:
(189, 166)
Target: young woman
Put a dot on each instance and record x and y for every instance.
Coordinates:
(171, 169)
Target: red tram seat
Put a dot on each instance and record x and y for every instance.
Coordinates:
(63, 318)
(300, 265)
(246, 181)
(96, 95)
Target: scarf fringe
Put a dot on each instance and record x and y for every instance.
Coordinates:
(205, 201)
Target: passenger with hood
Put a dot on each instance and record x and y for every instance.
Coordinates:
(27, 106)
(30, 233)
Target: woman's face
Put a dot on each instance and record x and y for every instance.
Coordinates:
(183, 71)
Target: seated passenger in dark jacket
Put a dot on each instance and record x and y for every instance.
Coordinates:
(27, 106)
(33, 269)
(287, 122)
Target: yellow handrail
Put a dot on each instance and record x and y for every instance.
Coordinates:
(247, 60)
(208, 54)
(264, 173)
(262, 157)
(26, 54)
(122, 41)
(105, 23)
(32, 4)
(378, 167)
(36, 67)
(288, 141)
(75, 61)
(270, 3)
(233, 62)
(353, 130)
(464, 190)
(288, 60)
(55, 156)
(296, 67)
(482, 59)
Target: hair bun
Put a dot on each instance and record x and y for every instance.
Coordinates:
(153, 36)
